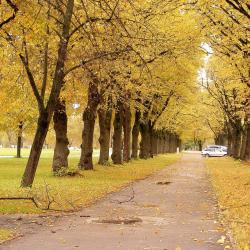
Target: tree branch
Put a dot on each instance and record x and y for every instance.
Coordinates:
(12, 17)
(100, 56)
(32, 83)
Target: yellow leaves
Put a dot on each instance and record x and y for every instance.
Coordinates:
(233, 198)
(5, 234)
(222, 239)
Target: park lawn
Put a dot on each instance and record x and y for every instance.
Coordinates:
(5, 234)
(69, 193)
(46, 153)
(231, 180)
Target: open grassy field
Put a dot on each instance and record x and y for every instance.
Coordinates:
(67, 193)
(231, 180)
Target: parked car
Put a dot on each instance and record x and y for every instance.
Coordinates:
(224, 148)
(213, 152)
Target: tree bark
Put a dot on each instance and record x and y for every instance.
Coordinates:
(105, 116)
(89, 117)
(151, 139)
(117, 136)
(179, 144)
(236, 139)
(247, 149)
(229, 142)
(36, 149)
(171, 143)
(126, 122)
(161, 144)
(61, 151)
(200, 145)
(243, 144)
(167, 142)
(145, 141)
(164, 142)
(19, 140)
(154, 143)
(158, 142)
(135, 134)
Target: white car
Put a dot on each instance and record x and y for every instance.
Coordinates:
(213, 152)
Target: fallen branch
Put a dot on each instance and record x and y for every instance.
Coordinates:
(34, 202)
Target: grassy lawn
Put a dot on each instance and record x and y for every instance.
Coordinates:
(69, 193)
(5, 234)
(231, 180)
(46, 153)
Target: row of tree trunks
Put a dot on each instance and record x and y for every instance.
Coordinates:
(157, 142)
(152, 142)
(238, 139)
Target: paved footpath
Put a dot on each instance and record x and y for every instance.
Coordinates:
(173, 209)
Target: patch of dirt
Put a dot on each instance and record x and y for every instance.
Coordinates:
(125, 221)
(163, 183)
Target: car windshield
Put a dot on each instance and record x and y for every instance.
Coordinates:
(208, 149)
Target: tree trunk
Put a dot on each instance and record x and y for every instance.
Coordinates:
(117, 136)
(229, 142)
(167, 142)
(236, 140)
(151, 138)
(216, 140)
(161, 143)
(135, 135)
(145, 141)
(179, 144)
(171, 142)
(127, 132)
(104, 139)
(158, 142)
(164, 142)
(247, 149)
(19, 140)
(243, 144)
(46, 113)
(200, 145)
(36, 149)
(61, 151)
(89, 117)
(154, 143)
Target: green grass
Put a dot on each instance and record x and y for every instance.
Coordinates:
(69, 192)
(231, 180)
(5, 234)
(46, 153)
